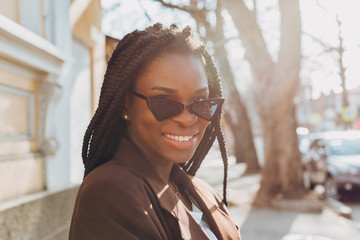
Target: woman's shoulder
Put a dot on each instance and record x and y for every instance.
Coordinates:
(198, 182)
(112, 178)
(113, 201)
(207, 189)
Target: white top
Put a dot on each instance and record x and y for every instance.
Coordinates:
(198, 215)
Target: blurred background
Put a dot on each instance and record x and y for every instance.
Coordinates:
(291, 78)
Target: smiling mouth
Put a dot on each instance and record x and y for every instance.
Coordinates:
(178, 137)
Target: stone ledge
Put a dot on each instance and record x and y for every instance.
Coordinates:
(38, 216)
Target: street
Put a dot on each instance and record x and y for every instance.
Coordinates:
(296, 221)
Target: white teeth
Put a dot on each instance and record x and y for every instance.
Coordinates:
(178, 138)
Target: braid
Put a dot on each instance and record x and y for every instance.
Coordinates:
(128, 61)
(127, 40)
(221, 140)
(214, 129)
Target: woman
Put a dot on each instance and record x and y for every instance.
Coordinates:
(158, 115)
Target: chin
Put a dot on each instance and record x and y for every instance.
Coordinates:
(181, 158)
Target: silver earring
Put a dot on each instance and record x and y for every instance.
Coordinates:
(125, 116)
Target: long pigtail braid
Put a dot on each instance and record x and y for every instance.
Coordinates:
(208, 139)
(221, 140)
(108, 91)
(127, 46)
(216, 85)
(105, 137)
(107, 86)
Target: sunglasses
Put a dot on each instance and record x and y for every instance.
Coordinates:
(163, 108)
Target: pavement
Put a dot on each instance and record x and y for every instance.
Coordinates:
(304, 219)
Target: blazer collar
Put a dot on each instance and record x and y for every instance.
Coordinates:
(220, 223)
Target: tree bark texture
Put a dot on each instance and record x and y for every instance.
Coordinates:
(276, 86)
(281, 173)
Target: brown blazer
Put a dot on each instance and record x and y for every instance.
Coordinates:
(125, 199)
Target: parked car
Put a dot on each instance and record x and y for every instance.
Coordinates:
(333, 160)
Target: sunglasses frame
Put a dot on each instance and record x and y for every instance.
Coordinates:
(184, 106)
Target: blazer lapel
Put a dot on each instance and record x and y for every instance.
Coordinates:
(169, 202)
(219, 222)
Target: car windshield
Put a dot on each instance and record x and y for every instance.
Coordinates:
(345, 146)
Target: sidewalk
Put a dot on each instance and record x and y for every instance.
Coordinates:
(292, 220)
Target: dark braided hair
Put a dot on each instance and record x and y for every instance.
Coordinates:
(129, 60)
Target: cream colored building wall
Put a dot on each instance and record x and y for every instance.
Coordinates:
(28, 13)
(18, 111)
(20, 166)
(26, 62)
(40, 79)
(19, 163)
(20, 100)
(87, 28)
(10, 10)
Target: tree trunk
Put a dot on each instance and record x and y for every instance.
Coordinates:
(281, 173)
(276, 88)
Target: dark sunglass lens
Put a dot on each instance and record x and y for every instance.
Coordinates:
(163, 108)
(206, 109)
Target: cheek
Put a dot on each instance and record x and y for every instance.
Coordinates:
(203, 124)
(138, 110)
(141, 119)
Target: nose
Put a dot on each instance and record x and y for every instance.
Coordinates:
(185, 118)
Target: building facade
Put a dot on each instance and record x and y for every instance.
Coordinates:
(52, 60)
(327, 112)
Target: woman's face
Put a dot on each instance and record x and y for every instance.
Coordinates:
(181, 78)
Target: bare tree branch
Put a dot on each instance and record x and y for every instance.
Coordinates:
(199, 14)
(323, 44)
(224, 41)
(321, 6)
(251, 36)
(145, 12)
(186, 8)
